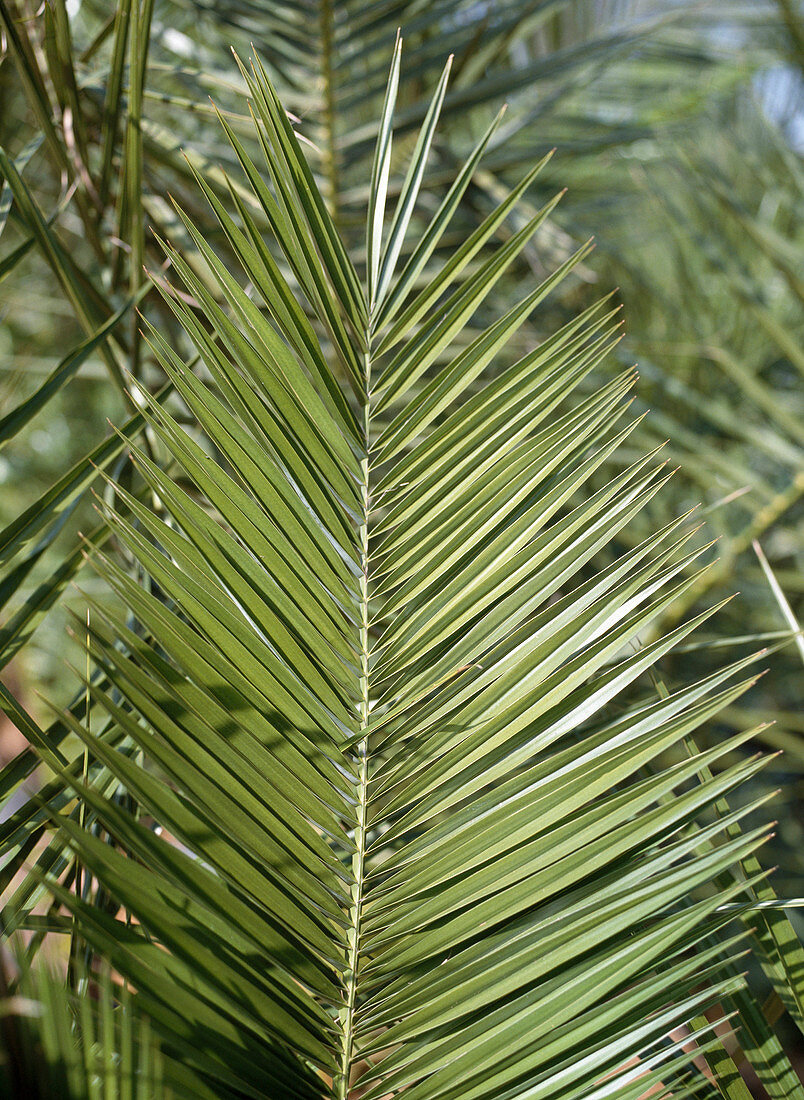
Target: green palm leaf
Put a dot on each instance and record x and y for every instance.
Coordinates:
(397, 831)
(94, 1045)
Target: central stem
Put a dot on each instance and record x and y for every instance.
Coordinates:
(358, 859)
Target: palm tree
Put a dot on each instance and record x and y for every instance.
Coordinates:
(355, 799)
(653, 106)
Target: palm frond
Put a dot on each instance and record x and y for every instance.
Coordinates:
(396, 826)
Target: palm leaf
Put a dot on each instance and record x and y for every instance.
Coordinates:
(91, 1045)
(423, 844)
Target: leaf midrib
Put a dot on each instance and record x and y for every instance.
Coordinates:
(341, 1085)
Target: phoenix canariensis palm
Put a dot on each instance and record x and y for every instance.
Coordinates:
(386, 830)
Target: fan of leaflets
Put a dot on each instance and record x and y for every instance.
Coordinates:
(408, 843)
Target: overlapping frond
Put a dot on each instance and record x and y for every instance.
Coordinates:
(395, 831)
(58, 1045)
